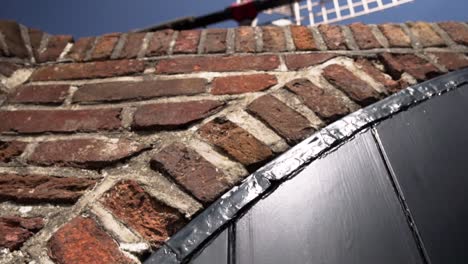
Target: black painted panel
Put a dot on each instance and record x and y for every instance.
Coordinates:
(427, 148)
(340, 209)
(216, 252)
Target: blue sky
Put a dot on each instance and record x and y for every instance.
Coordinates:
(95, 17)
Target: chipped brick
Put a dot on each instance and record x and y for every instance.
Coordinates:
(333, 37)
(288, 123)
(80, 48)
(395, 35)
(357, 89)
(245, 39)
(42, 189)
(397, 64)
(10, 150)
(55, 47)
(132, 45)
(242, 84)
(159, 43)
(426, 35)
(391, 85)
(236, 142)
(215, 41)
(39, 94)
(13, 39)
(168, 116)
(451, 61)
(217, 64)
(119, 91)
(82, 241)
(274, 39)
(299, 61)
(38, 121)
(326, 105)
(192, 171)
(152, 219)
(89, 70)
(187, 42)
(8, 68)
(104, 46)
(35, 38)
(364, 37)
(457, 31)
(303, 38)
(84, 152)
(15, 230)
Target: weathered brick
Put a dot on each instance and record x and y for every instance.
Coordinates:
(236, 142)
(42, 189)
(426, 35)
(457, 31)
(35, 38)
(39, 94)
(167, 116)
(82, 241)
(357, 89)
(152, 219)
(8, 68)
(364, 37)
(242, 84)
(245, 39)
(104, 46)
(274, 39)
(299, 61)
(451, 61)
(89, 70)
(192, 171)
(132, 45)
(55, 47)
(13, 39)
(84, 152)
(215, 41)
(419, 68)
(326, 105)
(80, 48)
(303, 38)
(187, 42)
(395, 35)
(38, 121)
(119, 91)
(159, 43)
(15, 230)
(218, 64)
(11, 149)
(288, 123)
(391, 85)
(333, 37)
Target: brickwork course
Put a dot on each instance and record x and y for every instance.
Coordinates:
(111, 144)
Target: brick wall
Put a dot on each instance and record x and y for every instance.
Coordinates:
(110, 144)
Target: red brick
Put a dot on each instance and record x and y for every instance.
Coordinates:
(42, 189)
(39, 94)
(391, 85)
(303, 38)
(80, 48)
(159, 43)
(357, 89)
(15, 230)
(245, 39)
(187, 42)
(39, 121)
(364, 37)
(274, 39)
(132, 45)
(299, 61)
(395, 35)
(191, 171)
(55, 47)
(8, 68)
(84, 152)
(236, 142)
(397, 64)
(242, 84)
(13, 39)
(457, 31)
(215, 41)
(104, 46)
(426, 35)
(89, 70)
(168, 116)
(119, 91)
(10, 150)
(333, 37)
(82, 241)
(326, 105)
(152, 219)
(217, 64)
(288, 123)
(35, 38)
(451, 61)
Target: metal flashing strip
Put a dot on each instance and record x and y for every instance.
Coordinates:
(190, 238)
